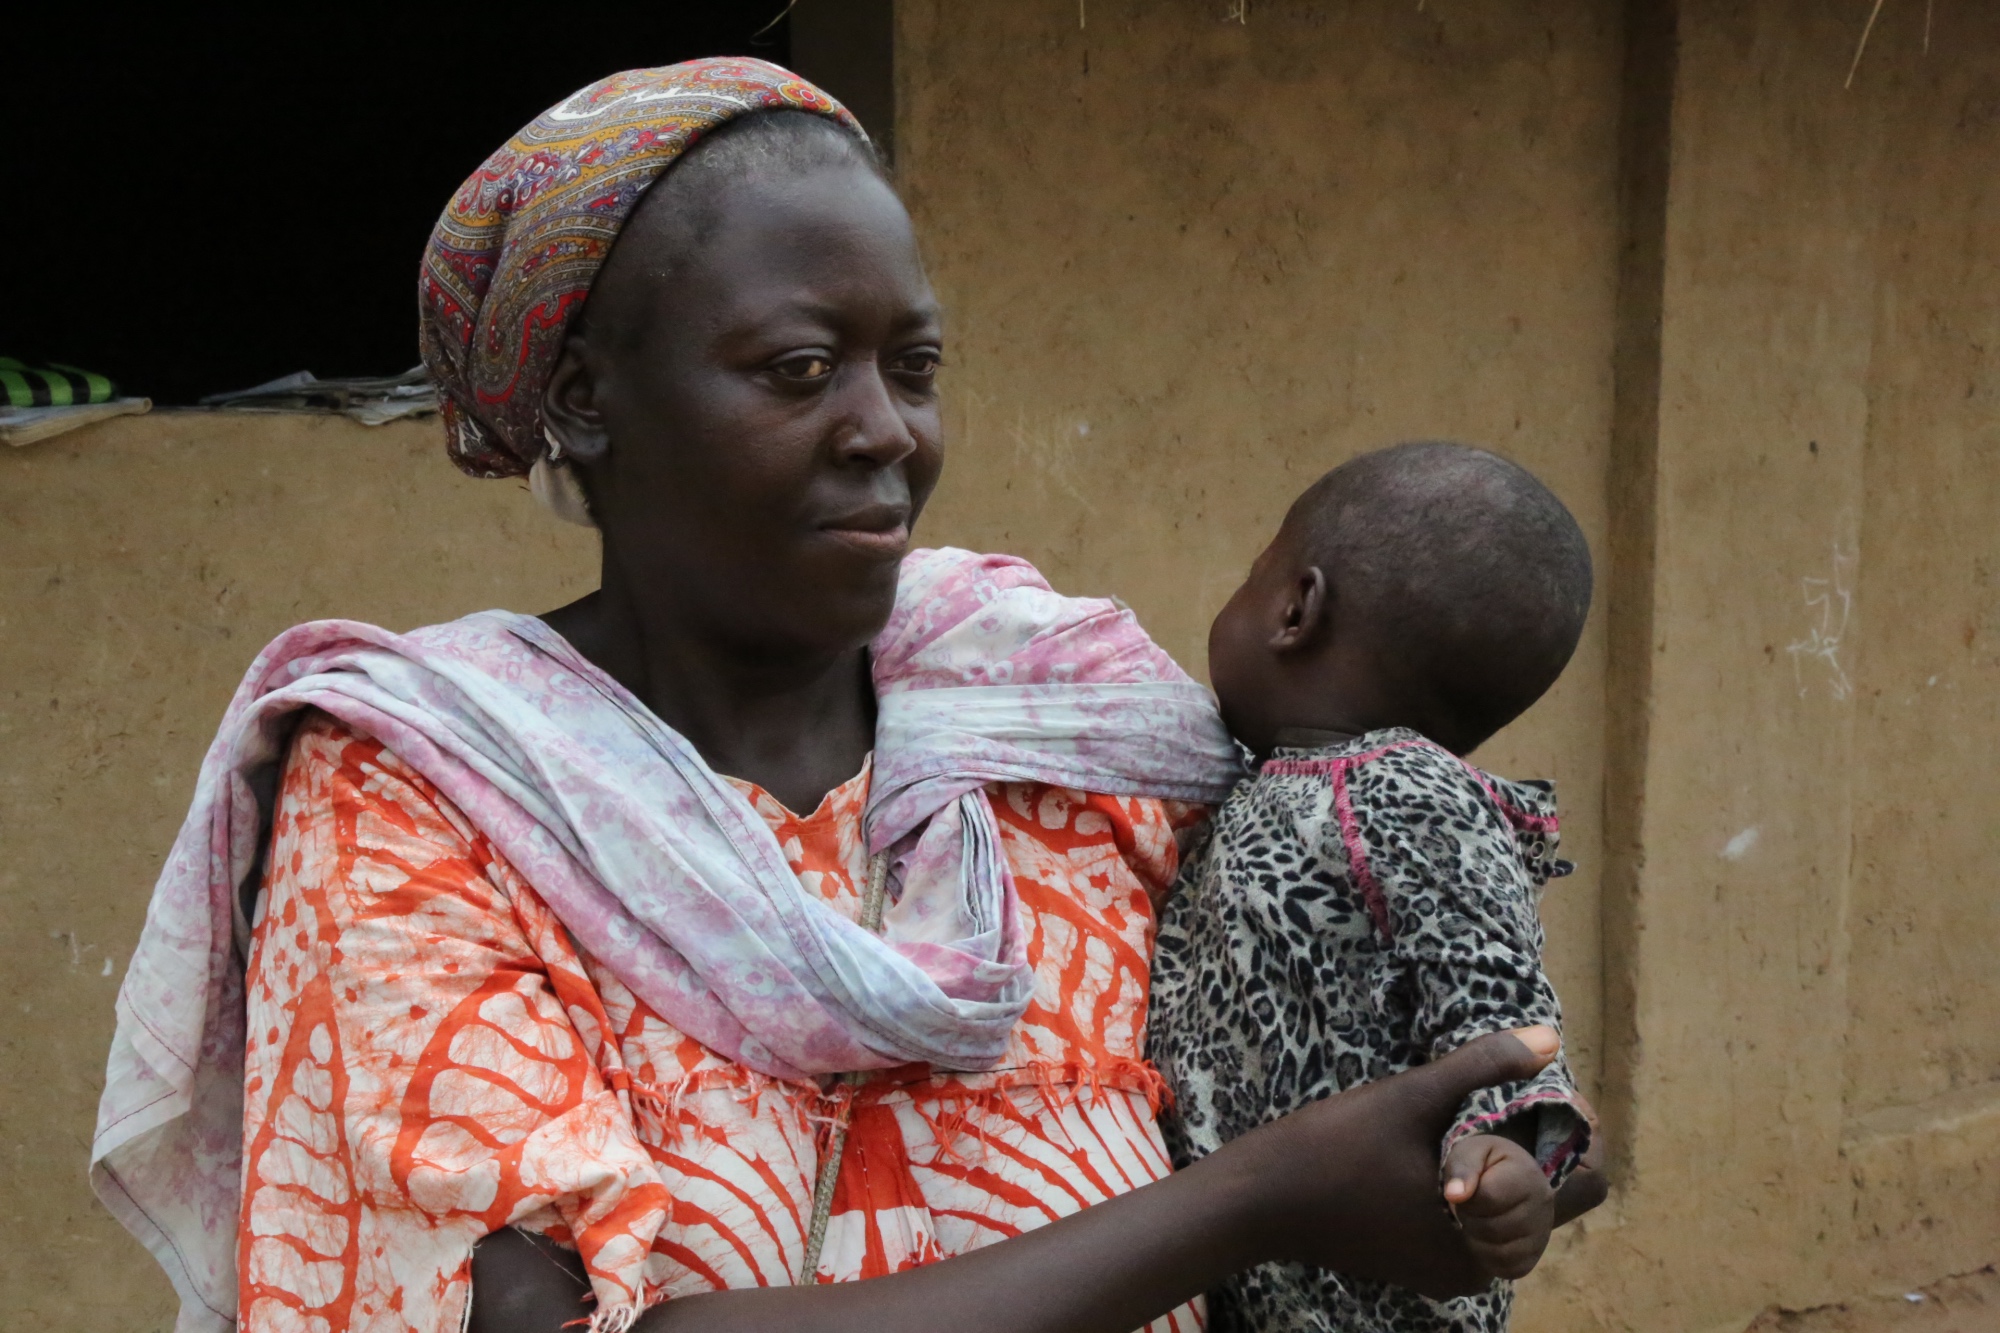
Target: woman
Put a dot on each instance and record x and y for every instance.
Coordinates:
(522, 965)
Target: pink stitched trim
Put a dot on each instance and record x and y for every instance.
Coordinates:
(1567, 1149)
(1512, 1109)
(1538, 823)
(1357, 855)
(1570, 1150)
(1294, 768)
(1350, 828)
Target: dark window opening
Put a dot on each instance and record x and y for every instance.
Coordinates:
(201, 202)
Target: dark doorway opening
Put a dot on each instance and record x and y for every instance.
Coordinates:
(205, 199)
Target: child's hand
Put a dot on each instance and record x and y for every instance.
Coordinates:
(1502, 1200)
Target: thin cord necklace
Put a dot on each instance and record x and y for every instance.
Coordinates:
(872, 903)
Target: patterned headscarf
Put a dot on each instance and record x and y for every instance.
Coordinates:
(512, 259)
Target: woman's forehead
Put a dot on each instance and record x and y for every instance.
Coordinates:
(830, 235)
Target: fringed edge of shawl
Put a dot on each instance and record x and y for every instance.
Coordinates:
(612, 1319)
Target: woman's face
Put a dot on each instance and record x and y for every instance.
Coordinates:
(767, 401)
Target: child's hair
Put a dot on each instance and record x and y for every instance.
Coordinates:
(1472, 576)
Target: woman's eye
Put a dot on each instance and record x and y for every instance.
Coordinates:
(921, 365)
(805, 368)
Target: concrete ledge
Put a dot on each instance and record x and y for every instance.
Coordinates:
(1962, 1109)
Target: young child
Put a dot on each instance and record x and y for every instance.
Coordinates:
(1367, 902)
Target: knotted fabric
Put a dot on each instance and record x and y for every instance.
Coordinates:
(511, 260)
(659, 867)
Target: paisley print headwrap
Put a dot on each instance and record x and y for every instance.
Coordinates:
(512, 258)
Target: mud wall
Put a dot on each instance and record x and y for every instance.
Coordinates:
(1741, 316)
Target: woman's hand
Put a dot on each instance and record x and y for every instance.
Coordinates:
(1587, 1185)
(1349, 1183)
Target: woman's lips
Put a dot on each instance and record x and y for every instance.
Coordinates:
(885, 534)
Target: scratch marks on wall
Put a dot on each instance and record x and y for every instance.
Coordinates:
(1830, 601)
(1047, 451)
(1046, 457)
(77, 949)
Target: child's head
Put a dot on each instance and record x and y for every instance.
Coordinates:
(1429, 585)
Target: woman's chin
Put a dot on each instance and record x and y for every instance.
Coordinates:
(858, 567)
(847, 601)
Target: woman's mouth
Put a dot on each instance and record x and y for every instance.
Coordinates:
(880, 530)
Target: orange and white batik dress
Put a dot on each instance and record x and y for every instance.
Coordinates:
(432, 1058)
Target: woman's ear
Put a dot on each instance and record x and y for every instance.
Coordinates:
(1305, 611)
(570, 414)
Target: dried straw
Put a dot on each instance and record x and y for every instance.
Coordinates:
(1873, 14)
(789, 6)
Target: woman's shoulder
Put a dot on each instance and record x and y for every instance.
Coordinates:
(340, 771)
(484, 634)
(495, 643)
(963, 618)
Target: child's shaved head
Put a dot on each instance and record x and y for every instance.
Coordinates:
(1457, 574)
(1466, 561)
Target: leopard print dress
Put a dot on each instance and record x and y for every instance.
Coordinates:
(1356, 910)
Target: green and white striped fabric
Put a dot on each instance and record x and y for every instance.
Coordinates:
(52, 385)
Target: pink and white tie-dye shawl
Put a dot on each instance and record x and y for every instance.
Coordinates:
(657, 866)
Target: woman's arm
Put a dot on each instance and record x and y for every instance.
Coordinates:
(1348, 1183)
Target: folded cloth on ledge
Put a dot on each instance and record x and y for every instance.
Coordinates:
(370, 400)
(51, 384)
(26, 425)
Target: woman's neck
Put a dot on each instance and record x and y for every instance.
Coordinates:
(798, 724)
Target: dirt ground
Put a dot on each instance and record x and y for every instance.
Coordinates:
(1969, 1303)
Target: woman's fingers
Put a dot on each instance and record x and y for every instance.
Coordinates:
(1585, 1189)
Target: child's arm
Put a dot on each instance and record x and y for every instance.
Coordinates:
(1460, 913)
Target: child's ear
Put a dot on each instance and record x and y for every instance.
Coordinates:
(1305, 612)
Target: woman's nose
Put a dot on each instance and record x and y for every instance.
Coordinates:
(871, 426)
